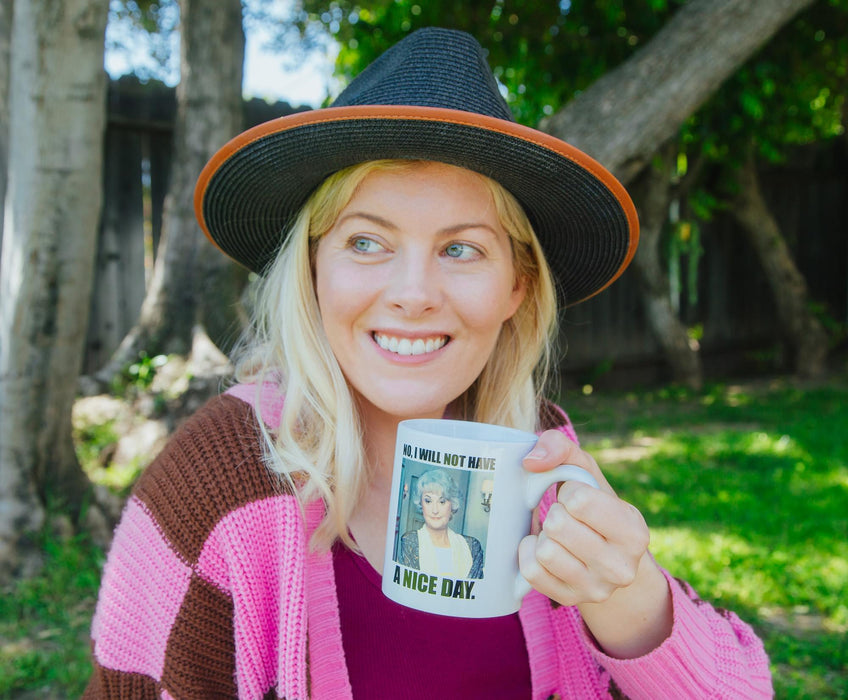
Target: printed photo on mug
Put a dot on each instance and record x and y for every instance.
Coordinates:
(442, 524)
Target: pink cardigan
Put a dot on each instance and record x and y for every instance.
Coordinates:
(210, 591)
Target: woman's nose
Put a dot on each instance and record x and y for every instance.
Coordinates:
(415, 287)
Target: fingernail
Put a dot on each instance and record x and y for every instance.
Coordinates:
(537, 452)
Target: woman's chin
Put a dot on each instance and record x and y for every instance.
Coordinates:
(405, 410)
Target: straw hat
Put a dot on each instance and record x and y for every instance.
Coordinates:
(432, 96)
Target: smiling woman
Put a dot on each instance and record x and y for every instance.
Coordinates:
(414, 244)
(389, 268)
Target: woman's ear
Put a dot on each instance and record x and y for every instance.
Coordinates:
(519, 291)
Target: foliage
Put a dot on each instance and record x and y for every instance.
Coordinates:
(142, 373)
(746, 493)
(791, 93)
(684, 248)
(144, 33)
(276, 23)
(91, 441)
(137, 376)
(528, 43)
(142, 36)
(45, 621)
(96, 446)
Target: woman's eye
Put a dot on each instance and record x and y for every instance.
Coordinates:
(361, 244)
(461, 251)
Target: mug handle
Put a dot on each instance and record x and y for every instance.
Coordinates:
(535, 485)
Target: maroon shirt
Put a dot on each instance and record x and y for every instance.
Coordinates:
(397, 652)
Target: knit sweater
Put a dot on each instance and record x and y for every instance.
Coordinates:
(211, 591)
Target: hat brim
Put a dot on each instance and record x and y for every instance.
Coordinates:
(249, 193)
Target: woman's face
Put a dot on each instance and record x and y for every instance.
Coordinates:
(436, 509)
(414, 281)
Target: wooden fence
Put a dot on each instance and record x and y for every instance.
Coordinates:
(734, 307)
(606, 339)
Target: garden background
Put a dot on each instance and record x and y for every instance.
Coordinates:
(710, 381)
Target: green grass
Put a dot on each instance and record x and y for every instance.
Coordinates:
(45, 622)
(745, 490)
(746, 493)
(92, 442)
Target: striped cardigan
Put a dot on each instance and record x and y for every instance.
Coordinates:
(211, 591)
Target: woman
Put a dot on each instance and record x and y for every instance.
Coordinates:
(435, 548)
(426, 240)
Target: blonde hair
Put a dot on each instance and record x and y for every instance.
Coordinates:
(318, 447)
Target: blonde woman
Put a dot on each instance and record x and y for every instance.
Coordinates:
(414, 243)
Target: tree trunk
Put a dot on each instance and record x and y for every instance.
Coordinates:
(652, 194)
(192, 282)
(622, 117)
(803, 332)
(57, 107)
(5, 57)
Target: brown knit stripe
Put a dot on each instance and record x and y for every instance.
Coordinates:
(210, 467)
(106, 683)
(200, 657)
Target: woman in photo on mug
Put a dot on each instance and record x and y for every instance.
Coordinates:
(413, 244)
(435, 547)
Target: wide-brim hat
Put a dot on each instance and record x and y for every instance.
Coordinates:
(432, 96)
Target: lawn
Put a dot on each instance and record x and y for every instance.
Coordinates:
(745, 489)
(746, 493)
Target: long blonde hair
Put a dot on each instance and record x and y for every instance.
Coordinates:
(318, 447)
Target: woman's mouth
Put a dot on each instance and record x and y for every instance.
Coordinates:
(407, 346)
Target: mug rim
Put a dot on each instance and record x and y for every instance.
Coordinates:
(451, 428)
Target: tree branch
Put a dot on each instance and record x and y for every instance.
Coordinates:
(620, 123)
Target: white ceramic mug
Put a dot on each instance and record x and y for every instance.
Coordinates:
(461, 504)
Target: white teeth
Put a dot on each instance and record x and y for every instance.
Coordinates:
(405, 346)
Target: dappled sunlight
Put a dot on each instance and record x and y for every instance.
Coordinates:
(755, 573)
(632, 451)
(745, 489)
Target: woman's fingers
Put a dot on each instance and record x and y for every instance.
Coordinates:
(617, 521)
(553, 449)
(590, 544)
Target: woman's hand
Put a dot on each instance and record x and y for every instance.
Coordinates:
(592, 552)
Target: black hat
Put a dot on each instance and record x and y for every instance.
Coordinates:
(432, 96)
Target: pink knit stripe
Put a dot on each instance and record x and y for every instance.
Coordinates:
(697, 660)
(212, 563)
(144, 583)
(244, 556)
(566, 428)
(266, 396)
(328, 671)
(539, 637)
